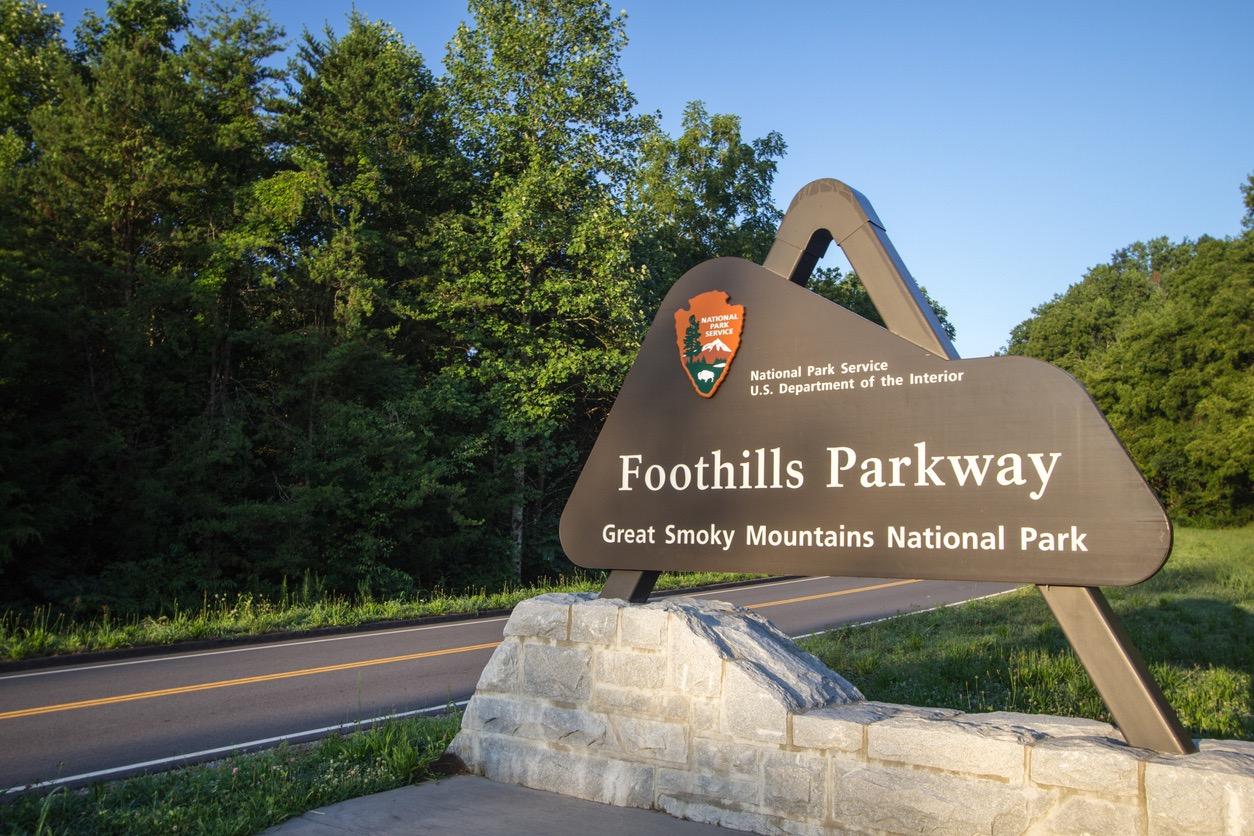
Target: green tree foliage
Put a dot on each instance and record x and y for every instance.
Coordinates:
(703, 194)
(327, 373)
(341, 319)
(30, 50)
(1162, 338)
(98, 338)
(539, 285)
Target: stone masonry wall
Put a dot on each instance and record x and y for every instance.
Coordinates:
(706, 711)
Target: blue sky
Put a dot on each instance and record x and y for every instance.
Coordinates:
(1007, 147)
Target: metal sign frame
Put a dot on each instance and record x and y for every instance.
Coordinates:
(827, 210)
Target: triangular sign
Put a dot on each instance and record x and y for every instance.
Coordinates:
(833, 447)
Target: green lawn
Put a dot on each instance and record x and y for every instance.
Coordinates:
(244, 794)
(1193, 622)
(44, 633)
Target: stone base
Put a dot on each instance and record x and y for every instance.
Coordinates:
(708, 712)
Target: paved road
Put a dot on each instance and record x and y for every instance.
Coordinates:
(72, 723)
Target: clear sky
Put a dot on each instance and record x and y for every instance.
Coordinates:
(1006, 146)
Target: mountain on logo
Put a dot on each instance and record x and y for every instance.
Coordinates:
(715, 354)
(715, 346)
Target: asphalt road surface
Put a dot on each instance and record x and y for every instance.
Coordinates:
(73, 724)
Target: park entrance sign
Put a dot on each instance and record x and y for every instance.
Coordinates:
(763, 428)
(791, 436)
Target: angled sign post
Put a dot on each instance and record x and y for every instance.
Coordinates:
(765, 429)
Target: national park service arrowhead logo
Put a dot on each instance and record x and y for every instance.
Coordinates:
(708, 335)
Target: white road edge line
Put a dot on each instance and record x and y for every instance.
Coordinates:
(297, 642)
(265, 741)
(904, 614)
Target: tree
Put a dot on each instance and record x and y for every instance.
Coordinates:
(236, 95)
(692, 339)
(1176, 384)
(103, 212)
(344, 405)
(704, 194)
(539, 287)
(30, 51)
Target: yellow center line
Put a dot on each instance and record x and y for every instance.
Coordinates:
(365, 663)
(247, 680)
(816, 597)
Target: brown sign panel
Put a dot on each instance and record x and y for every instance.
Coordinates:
(832, 446)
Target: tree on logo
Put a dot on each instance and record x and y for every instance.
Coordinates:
(692, 339)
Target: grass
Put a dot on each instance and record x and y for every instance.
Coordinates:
(1193, 622)
(244, 794)
(44, 632)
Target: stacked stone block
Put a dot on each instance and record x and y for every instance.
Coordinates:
(708, 712)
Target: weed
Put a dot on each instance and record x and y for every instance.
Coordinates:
(41, 633)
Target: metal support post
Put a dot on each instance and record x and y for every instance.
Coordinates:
(630, 586)
(1129, 690)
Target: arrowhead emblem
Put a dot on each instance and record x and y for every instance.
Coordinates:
(707, 332)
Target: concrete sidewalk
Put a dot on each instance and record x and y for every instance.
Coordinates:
(472, 805)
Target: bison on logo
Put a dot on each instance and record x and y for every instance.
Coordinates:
(707, 332)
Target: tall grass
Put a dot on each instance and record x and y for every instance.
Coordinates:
(1193, 622)
(46, 632)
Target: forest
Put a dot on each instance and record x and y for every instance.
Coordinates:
(274, 310)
